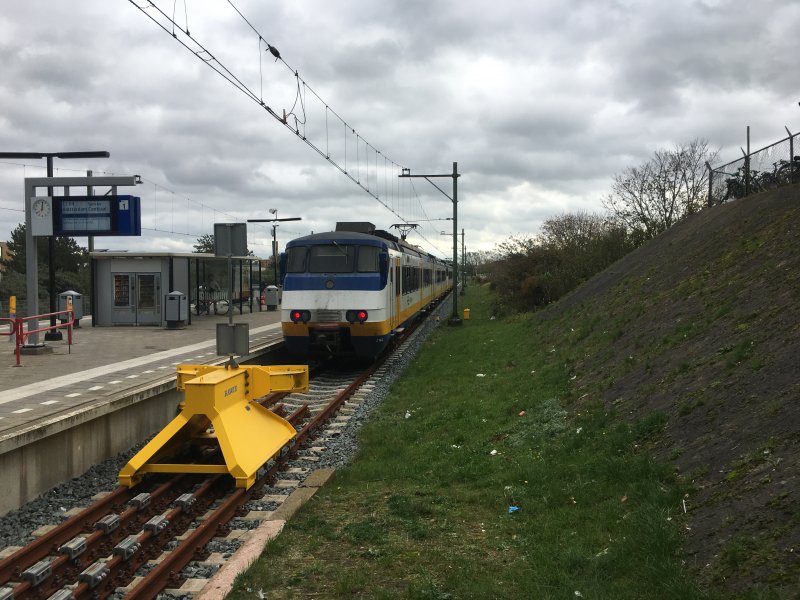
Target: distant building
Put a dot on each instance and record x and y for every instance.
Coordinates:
(4, 255)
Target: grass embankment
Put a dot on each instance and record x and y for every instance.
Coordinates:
(427, 509)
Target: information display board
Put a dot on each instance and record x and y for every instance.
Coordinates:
(97, 215)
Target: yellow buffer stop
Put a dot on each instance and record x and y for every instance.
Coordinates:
(219, 409)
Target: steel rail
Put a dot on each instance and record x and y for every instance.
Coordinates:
(168, 569)
(96, 541)
(14, 564)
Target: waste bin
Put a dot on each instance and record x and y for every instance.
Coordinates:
(466, 314)
(176, 310)
(271, 297)
(77, 306)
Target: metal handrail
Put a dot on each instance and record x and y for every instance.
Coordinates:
(21, 336)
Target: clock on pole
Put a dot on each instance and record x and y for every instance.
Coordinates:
(41, 216)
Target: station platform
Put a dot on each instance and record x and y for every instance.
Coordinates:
(86, 402)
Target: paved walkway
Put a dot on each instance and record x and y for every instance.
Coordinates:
(106, 361)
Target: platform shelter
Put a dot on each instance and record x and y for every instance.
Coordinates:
(129, 288)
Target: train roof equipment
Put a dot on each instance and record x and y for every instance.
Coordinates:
(361, 232)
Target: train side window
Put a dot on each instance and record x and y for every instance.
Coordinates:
(368, 259)
(296, 261)
(397, 281)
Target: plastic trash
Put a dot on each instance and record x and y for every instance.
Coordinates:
(513, 509)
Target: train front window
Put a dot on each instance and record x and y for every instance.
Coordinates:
(296, 261)
(368, 261)
(333, 258)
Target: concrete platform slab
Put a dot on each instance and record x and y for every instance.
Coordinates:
(113, 388)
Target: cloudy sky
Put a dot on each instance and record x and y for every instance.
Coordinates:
(541, 103)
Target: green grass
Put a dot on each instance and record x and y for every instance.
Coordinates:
(423, 513)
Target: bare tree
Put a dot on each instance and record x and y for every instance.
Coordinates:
(573, 230)
(696, 154)
(654, 196)
(478, 262)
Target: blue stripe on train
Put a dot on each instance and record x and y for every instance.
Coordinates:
(314, 281)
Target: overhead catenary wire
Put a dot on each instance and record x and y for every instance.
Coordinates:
(294, 122)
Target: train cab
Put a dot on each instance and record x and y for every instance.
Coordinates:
(334, 294)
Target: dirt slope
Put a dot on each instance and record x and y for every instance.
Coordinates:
(704, 328)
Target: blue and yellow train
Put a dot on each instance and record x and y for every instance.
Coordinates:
(349, 291)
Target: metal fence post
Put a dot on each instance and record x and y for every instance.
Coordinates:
(710, 183)
(19, 338)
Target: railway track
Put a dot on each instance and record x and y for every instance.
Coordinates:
(135, 543)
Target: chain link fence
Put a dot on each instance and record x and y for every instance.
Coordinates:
(765, 169)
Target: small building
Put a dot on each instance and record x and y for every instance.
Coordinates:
(129, 288)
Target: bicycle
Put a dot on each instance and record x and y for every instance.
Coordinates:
(788, 171)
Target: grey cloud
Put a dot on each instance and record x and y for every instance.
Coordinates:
(574, 92)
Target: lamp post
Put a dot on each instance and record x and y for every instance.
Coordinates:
(54, 334)
(454, 318)
(274, 211)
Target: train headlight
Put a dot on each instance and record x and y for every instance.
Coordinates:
(356, 316)
(300, 316)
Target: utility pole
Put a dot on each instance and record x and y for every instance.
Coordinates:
(54, 334)
(454, 318)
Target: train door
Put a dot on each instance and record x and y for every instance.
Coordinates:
(397, 292)
(389, 301)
